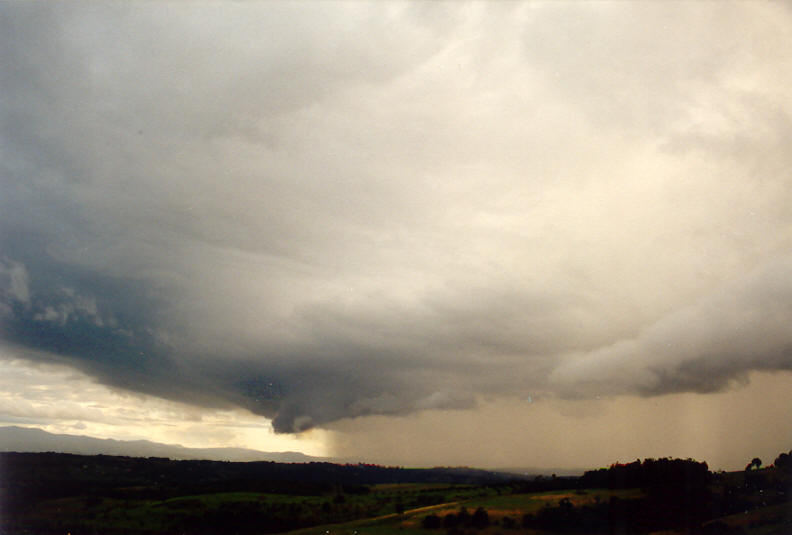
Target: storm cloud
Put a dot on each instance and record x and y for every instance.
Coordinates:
(318, 211)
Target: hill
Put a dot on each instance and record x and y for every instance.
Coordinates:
(23, 439)
(56, 493)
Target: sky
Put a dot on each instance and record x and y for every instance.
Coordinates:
(490, 234)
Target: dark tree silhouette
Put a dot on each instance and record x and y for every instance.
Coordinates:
(480, 518)
(463, 518)
(755, 462)
(432, 522)
(508, 522)
(784, 462)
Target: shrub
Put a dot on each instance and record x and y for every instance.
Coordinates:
(432, 522)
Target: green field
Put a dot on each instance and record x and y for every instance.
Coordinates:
(376, 511)
(88, 514)
(56, 494)
(497, 506)
(529, 503)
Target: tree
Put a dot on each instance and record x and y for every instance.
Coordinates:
(480, 518)
(784, 461)
(756, 461)
(432, 522)
(450, 521)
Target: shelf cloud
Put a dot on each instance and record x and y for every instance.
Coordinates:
(319, 211)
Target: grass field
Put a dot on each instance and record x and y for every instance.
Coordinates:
(401, 508)
(771, 520)
(498, 507)
(99, 514)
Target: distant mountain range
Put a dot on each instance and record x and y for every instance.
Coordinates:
(23, 439)
(533, 471)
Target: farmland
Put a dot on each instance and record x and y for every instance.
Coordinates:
(47, 494)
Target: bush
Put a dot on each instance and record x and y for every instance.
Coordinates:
(508, 522)
(480, 518)
(432, 522)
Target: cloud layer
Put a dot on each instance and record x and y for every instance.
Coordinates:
(62, 401)
(321, 211)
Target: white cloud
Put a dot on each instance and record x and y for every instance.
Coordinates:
(60, 400)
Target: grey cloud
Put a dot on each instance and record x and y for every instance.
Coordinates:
(63, 411)
(321, 211)
(702, 348)
(14, 283)
(71, 306)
